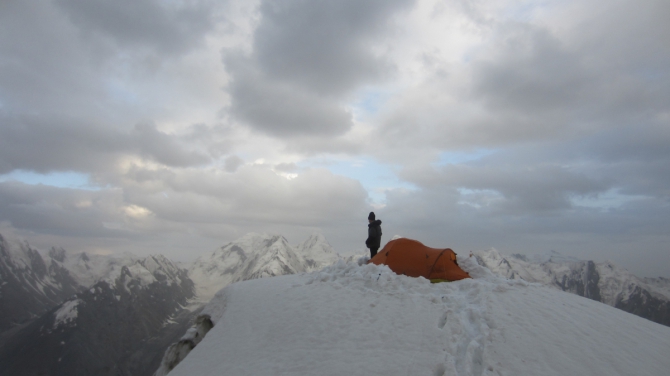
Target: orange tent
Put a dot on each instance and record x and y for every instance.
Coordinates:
(412, 258)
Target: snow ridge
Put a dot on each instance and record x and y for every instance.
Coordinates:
(366, 320)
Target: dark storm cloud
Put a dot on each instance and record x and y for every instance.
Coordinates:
(70, 144)
(168, 27)
(305, 56)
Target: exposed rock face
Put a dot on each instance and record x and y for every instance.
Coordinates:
(113, 328)
(604, 282)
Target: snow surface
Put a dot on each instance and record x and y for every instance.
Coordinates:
(366, 320)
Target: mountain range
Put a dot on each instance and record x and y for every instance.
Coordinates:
(83, 314)
(87, 314)
(603, 282)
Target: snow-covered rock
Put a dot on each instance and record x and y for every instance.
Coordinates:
(366, 320)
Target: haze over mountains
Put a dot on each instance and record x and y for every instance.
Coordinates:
(115, 315)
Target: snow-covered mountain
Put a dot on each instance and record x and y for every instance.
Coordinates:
(365, 320)
(258, 256)
(88, 269)
(603, 282)
(116, 314)
(29, 286)
(118, 326)
(317, 252)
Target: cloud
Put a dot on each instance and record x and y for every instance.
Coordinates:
(254, 193)
(60, 211)
(168, 27)
(326, 47)
(59, 144)
(232, 163)
(305, 57)
(556, 77)
(513, 189)
(280, 109)
(177, 204)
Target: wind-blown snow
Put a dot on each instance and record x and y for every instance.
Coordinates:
(366, 320)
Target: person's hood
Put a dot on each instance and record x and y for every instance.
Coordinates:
(375, 223)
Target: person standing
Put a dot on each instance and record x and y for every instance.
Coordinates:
(374, 234)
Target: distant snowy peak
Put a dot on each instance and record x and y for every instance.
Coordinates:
(90, 269)
(142, 273)
(17, 256)
(28, 285)
(252, 256)
(604, 282)
(661, 284)
(258, 256)
(317, 252)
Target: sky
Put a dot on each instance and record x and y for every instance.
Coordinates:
(177, 126)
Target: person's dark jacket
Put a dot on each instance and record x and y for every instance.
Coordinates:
(374, 234)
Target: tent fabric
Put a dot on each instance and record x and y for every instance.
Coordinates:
(413, 259)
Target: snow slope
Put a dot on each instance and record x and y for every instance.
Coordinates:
(366, 320)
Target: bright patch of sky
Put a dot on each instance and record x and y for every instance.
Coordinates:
(375, 177)
(70, 179)
(368, 103)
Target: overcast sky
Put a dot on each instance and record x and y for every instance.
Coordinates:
(176, 126)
